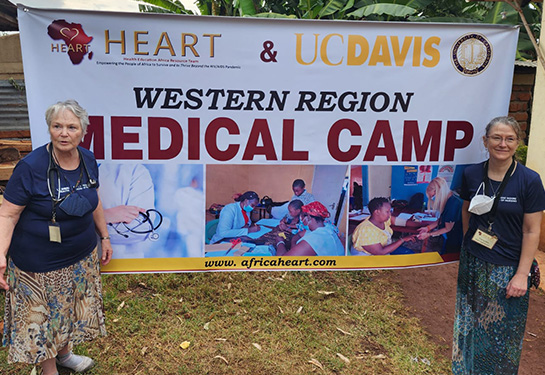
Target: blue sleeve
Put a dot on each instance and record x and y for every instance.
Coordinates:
(226, 225)
(534, 199)
(452, 211)
(19, 187)
(464, 190)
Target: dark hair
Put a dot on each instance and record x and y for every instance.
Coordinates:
(319, 219)
(506, 120)
(296, 204)
(249, 195)
(300, 183)
(376, 203)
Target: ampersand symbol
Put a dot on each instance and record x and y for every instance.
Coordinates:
(268, 55)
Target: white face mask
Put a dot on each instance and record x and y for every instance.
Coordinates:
(481, 203)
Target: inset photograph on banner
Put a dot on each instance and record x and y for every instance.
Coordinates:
(405, 210)
(276, 210)
(153, 210)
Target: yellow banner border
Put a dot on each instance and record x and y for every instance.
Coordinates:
(271, 263)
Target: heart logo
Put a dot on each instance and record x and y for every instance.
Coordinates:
(69, 33)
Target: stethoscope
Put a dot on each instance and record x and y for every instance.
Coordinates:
(143, 219)
(53, 169)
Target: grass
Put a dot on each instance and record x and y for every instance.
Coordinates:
(257, 323)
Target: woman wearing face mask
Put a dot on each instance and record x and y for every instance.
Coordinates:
(448, 205)
(235, 218)
(320, 239)
(501, 238)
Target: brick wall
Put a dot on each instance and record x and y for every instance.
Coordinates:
(521, 96)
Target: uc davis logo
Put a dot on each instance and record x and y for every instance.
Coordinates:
(471, 54)
(76, 42)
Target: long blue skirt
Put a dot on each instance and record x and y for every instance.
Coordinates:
(488, 328)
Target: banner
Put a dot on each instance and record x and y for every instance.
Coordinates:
(190, 112)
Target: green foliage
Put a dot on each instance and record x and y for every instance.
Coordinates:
(521, 153)
(163, 6)
(393, 10)
(457, 11)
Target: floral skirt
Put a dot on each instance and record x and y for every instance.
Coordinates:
(488, 328)
(47, 311)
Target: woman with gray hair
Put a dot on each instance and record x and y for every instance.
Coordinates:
(49, 221)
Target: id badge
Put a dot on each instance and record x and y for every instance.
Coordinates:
(485, 238)
(54, 232)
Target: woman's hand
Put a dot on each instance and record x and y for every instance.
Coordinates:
(122, 214)
(518, 286)
(410, 238)
(423, 235)
(423, 229)
(3, 281)
(107, 252)
(254, 228)
(283, 225)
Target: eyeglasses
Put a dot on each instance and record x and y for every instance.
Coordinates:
(496, 139)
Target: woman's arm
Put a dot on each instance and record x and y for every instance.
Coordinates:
(465, 217)
(102, 230)
(531, 227)
(378, 249)
(9, 216)
(226, 226)
(428, 233)
(300, 249)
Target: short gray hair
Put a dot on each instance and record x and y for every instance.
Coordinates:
(506, 120)
(73, 107)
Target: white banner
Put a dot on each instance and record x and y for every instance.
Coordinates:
(172, 96)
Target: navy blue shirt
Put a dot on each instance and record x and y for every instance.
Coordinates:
(30, 248)
(452, 213)
(523, 194)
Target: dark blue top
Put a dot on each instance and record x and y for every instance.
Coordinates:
(30, 249)
(452, 213)
(523, 194)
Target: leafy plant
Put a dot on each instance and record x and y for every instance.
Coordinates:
(457, 11)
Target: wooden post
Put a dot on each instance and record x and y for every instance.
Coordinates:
(536, 140)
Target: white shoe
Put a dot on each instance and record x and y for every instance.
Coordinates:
(78, 363)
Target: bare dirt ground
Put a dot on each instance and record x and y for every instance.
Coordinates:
(430, 293)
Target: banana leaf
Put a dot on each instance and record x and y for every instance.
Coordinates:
(444, 19)
(247, 7)
(332, 6)
(164, 6)
(274, 15)
(502, 13)
(393, 10)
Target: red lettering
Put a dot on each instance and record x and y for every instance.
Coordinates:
(382, 131)
(411, 136)
(452, 142)
(119, 138)
(260, 129)
(95, 134)
(155, 124)
(193, 138)
(211, 134)
(333, 140)
(288, 136)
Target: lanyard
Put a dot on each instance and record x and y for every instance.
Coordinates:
(53, 169)
(488, 188)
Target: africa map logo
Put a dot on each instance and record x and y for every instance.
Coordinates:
(76, 42)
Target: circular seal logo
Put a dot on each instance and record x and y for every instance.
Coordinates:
(471, 54)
